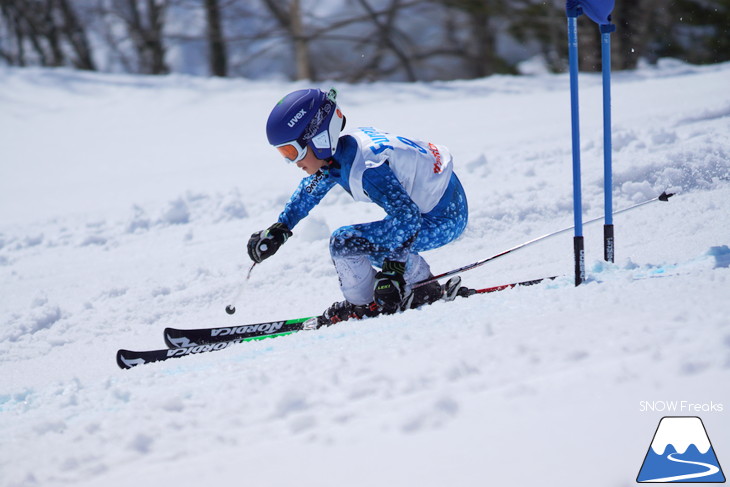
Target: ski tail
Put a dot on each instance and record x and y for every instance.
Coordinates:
(466, 292)
(514, 284)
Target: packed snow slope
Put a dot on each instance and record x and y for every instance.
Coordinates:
(125, 206)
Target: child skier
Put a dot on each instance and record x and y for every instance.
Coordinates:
(413, 181)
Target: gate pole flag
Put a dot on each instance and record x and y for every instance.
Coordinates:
(599, 11)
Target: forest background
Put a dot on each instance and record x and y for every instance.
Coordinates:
(349, 40)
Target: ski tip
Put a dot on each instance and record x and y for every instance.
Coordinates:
(120, 362)
(665, 196)
(126, 362)
(175, 338)
(168, 338)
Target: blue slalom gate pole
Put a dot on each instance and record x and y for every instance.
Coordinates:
(573, 10)
(600, 12)
(608, 238)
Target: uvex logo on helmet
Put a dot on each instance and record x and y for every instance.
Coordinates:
(297, 117)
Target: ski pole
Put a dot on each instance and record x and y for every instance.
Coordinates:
(662, 197)
(231, 308)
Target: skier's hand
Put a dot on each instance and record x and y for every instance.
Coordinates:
(265, 243)
(390, 286)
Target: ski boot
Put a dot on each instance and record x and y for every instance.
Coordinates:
(422, 295)
(433, 291)
(453, 288)
(342, 311)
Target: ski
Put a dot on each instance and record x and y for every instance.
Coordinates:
(194, 341)
(514, 284)
(126, 359)
(178, 338)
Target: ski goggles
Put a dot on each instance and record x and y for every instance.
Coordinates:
(292, 151)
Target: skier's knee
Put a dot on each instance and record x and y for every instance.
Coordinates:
(338, 241)
(347, 241)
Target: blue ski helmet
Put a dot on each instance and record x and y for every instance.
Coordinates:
(306, 118)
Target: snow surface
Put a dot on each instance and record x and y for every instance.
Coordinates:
(125, 206)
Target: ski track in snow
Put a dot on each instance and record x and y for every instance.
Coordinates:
(125, 205)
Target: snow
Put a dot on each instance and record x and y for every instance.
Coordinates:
(125, 206)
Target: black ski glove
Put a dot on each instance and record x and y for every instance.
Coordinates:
(390, 286)
(265, 243)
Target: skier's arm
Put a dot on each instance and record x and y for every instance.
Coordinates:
(308, 194)
(310, 191)
(400, 229)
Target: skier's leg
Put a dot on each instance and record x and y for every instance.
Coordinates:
(350, 254)
(355, 249)
(446, 221)
(440, 226)
(417, 269)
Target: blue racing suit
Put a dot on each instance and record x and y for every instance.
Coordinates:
(366, 165)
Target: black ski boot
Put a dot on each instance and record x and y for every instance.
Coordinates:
(426, 294)
(433, 291)
(343, 311)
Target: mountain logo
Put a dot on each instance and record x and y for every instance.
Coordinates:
(681, 452)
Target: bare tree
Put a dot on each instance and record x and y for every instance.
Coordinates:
(145, 20)
(75, 33)
(288, 14)
(217, 51)
(354, 40)
(385, 38)
(634, 22)
(542, 24)
(479, 46)
(29, 21)
(50, 28)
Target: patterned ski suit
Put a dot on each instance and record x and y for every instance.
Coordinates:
(413, 181)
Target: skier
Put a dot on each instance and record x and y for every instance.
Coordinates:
(413, 181)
